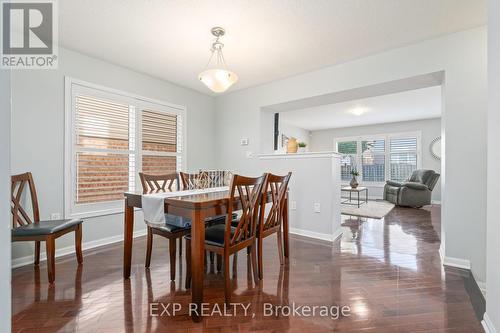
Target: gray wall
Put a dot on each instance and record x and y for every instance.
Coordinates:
(5, 217)
(493, 274)
(430, 128)
(38, 131)
(464, 113)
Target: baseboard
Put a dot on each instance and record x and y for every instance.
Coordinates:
(488, 325)
(481, 285)
(317, 235)
(23, 261)
(456, 262)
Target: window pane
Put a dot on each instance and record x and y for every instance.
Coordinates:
(402, 165)
(158, 165)
(101, 124)
(101, 177)
(159, 131)
(373, 160)
(348, 149)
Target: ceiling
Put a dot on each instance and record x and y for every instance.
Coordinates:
(404, 106)
(266, 40)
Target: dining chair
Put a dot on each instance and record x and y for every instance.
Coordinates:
(161, 183)
(269, 224)
(226, 239)
(30, 228)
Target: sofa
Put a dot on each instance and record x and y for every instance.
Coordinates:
(415, 192)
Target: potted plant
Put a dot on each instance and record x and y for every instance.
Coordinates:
(302, 147)
(354, 182)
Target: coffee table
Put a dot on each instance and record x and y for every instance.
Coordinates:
(357, 190)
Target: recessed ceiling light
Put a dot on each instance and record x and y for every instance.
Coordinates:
(358, 111)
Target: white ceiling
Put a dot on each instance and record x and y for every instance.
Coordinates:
(266, 39)
(409, 105)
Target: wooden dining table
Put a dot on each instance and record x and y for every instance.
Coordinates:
(197, 207)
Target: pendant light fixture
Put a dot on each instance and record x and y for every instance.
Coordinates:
(216, 76)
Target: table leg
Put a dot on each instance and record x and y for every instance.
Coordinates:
(366, 196)
(285, 228)
(358, 199)
(197, 262)
(128, 239)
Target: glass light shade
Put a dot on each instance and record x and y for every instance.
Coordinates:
(218, 80)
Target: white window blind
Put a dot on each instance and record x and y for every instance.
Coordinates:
(110, 137)
(403, 157)
(103, 149)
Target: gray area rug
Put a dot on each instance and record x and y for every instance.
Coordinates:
(373, 209)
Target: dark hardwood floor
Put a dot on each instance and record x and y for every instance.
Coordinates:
(388, 272)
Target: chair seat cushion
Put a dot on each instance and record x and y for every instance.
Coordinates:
(214, 235)
(44, 227)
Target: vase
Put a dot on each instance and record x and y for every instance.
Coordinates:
(292, 146)
(354, 182)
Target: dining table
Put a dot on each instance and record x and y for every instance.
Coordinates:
(197, 207)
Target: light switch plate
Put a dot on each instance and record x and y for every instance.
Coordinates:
(244, 142)
(249, 154)
(317, 207)
(55, 216)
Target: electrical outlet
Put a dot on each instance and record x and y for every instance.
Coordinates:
(249, 154)
(55, 216)
(293, 205)
(244, 142)
(317, 207)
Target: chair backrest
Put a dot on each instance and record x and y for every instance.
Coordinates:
(247, 191)
(19, 214)
(158, 183)
(277, 186)
(426, 177)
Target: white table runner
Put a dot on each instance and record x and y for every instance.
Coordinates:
(153, 204)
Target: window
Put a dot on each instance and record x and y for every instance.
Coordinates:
(380, 158)
(110, 137)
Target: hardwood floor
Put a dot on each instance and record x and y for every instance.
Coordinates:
(388, 272)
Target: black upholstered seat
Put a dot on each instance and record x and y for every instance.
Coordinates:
(44, 227)
(214, 235)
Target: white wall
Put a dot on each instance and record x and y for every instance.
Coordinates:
(463, 58)
(5, 217)
(322, 140)
(301, 134)
(492, 317)
(38, 131)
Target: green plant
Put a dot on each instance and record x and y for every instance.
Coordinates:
(302, 144)
(355, 173)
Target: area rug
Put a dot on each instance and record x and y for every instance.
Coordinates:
(373, 209)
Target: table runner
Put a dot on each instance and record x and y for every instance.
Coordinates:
(153, 205)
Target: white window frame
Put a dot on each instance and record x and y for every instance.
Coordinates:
(387, 137)
(75, 86)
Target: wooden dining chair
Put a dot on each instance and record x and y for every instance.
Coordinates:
(226, 239)
(162, 183)
(30, 228)
(277, 187)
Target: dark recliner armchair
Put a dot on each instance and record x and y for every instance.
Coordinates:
(415, 192)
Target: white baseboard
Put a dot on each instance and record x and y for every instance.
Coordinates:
(456, 262)
(488, 325)
(317, 235)
(23, 261)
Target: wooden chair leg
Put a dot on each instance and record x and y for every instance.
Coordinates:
(188, 263)
(253, 250)
(260, 258)
(50, 247)
(149, 248)
(78, 244)
(212, 258)
(37, 253)
(280, 246)
(172, 248)
(219, 262)
(227, 281)
(180, 247)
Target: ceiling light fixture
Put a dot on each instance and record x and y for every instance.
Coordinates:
(358, 111)
(217, 78)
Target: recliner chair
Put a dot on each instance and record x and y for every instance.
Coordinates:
(415, 192)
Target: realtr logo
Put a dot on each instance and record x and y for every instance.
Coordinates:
(28, 34)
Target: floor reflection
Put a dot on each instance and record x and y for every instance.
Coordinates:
(388, 272)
